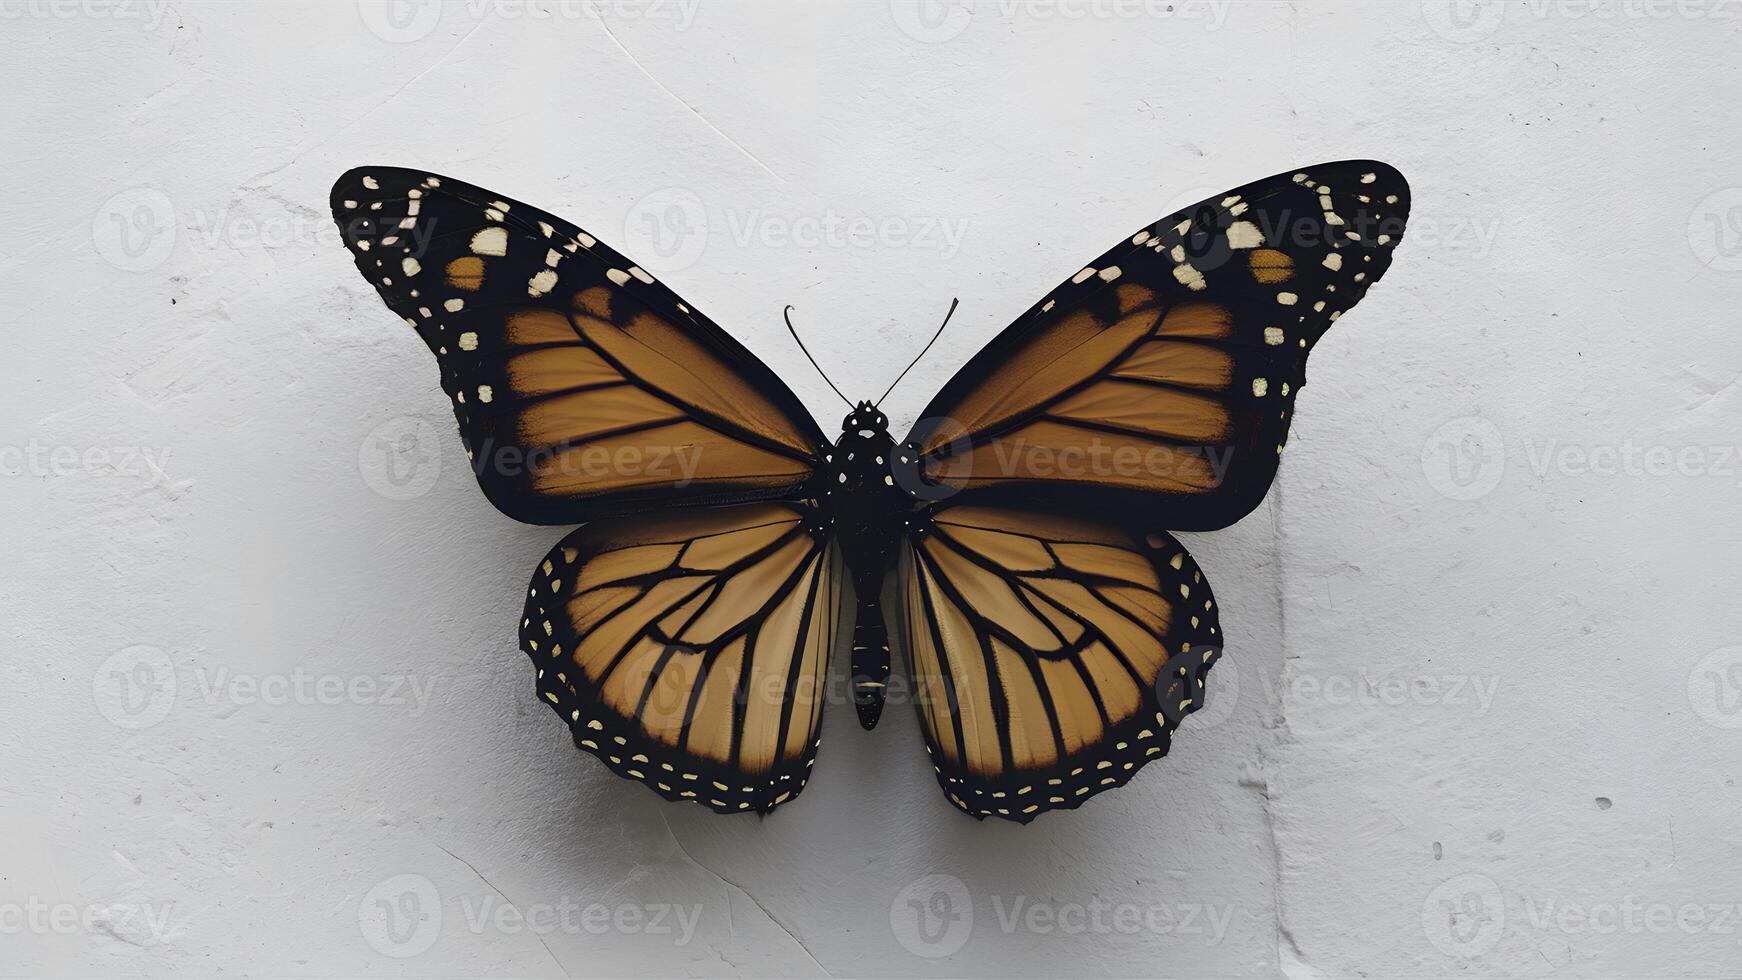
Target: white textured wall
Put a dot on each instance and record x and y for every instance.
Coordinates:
(262, 711)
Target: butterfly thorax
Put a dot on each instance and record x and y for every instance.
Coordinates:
(858, 499)
(858, 496)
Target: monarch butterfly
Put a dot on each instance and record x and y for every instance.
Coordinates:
(1055, 633)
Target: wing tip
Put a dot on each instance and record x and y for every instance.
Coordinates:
(1382, 174)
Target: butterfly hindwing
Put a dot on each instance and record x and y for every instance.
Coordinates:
(1162, 376)
(582, 386)
(1052, 657)
(690, 649)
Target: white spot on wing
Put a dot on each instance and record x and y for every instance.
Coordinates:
(491, 241)
(1244, 234)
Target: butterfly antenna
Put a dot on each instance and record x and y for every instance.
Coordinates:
(922, 350)
(790, 329)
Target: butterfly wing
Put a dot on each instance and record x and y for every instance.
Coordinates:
(689, 649)
(582, 386)
(1160, 378)
(1052, 657)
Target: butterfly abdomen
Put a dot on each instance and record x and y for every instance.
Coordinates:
(870, 662)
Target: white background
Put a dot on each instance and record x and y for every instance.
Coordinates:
(262, 709)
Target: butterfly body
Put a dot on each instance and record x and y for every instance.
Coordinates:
(1055, 634)
(859, 498)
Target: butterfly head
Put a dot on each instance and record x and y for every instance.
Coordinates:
(866, 421)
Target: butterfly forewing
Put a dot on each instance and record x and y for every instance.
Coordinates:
(582, 386)
(690, 650)
(1162, 376)
(1052, 657)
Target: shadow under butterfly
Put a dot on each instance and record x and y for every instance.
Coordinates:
(1055, 633)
